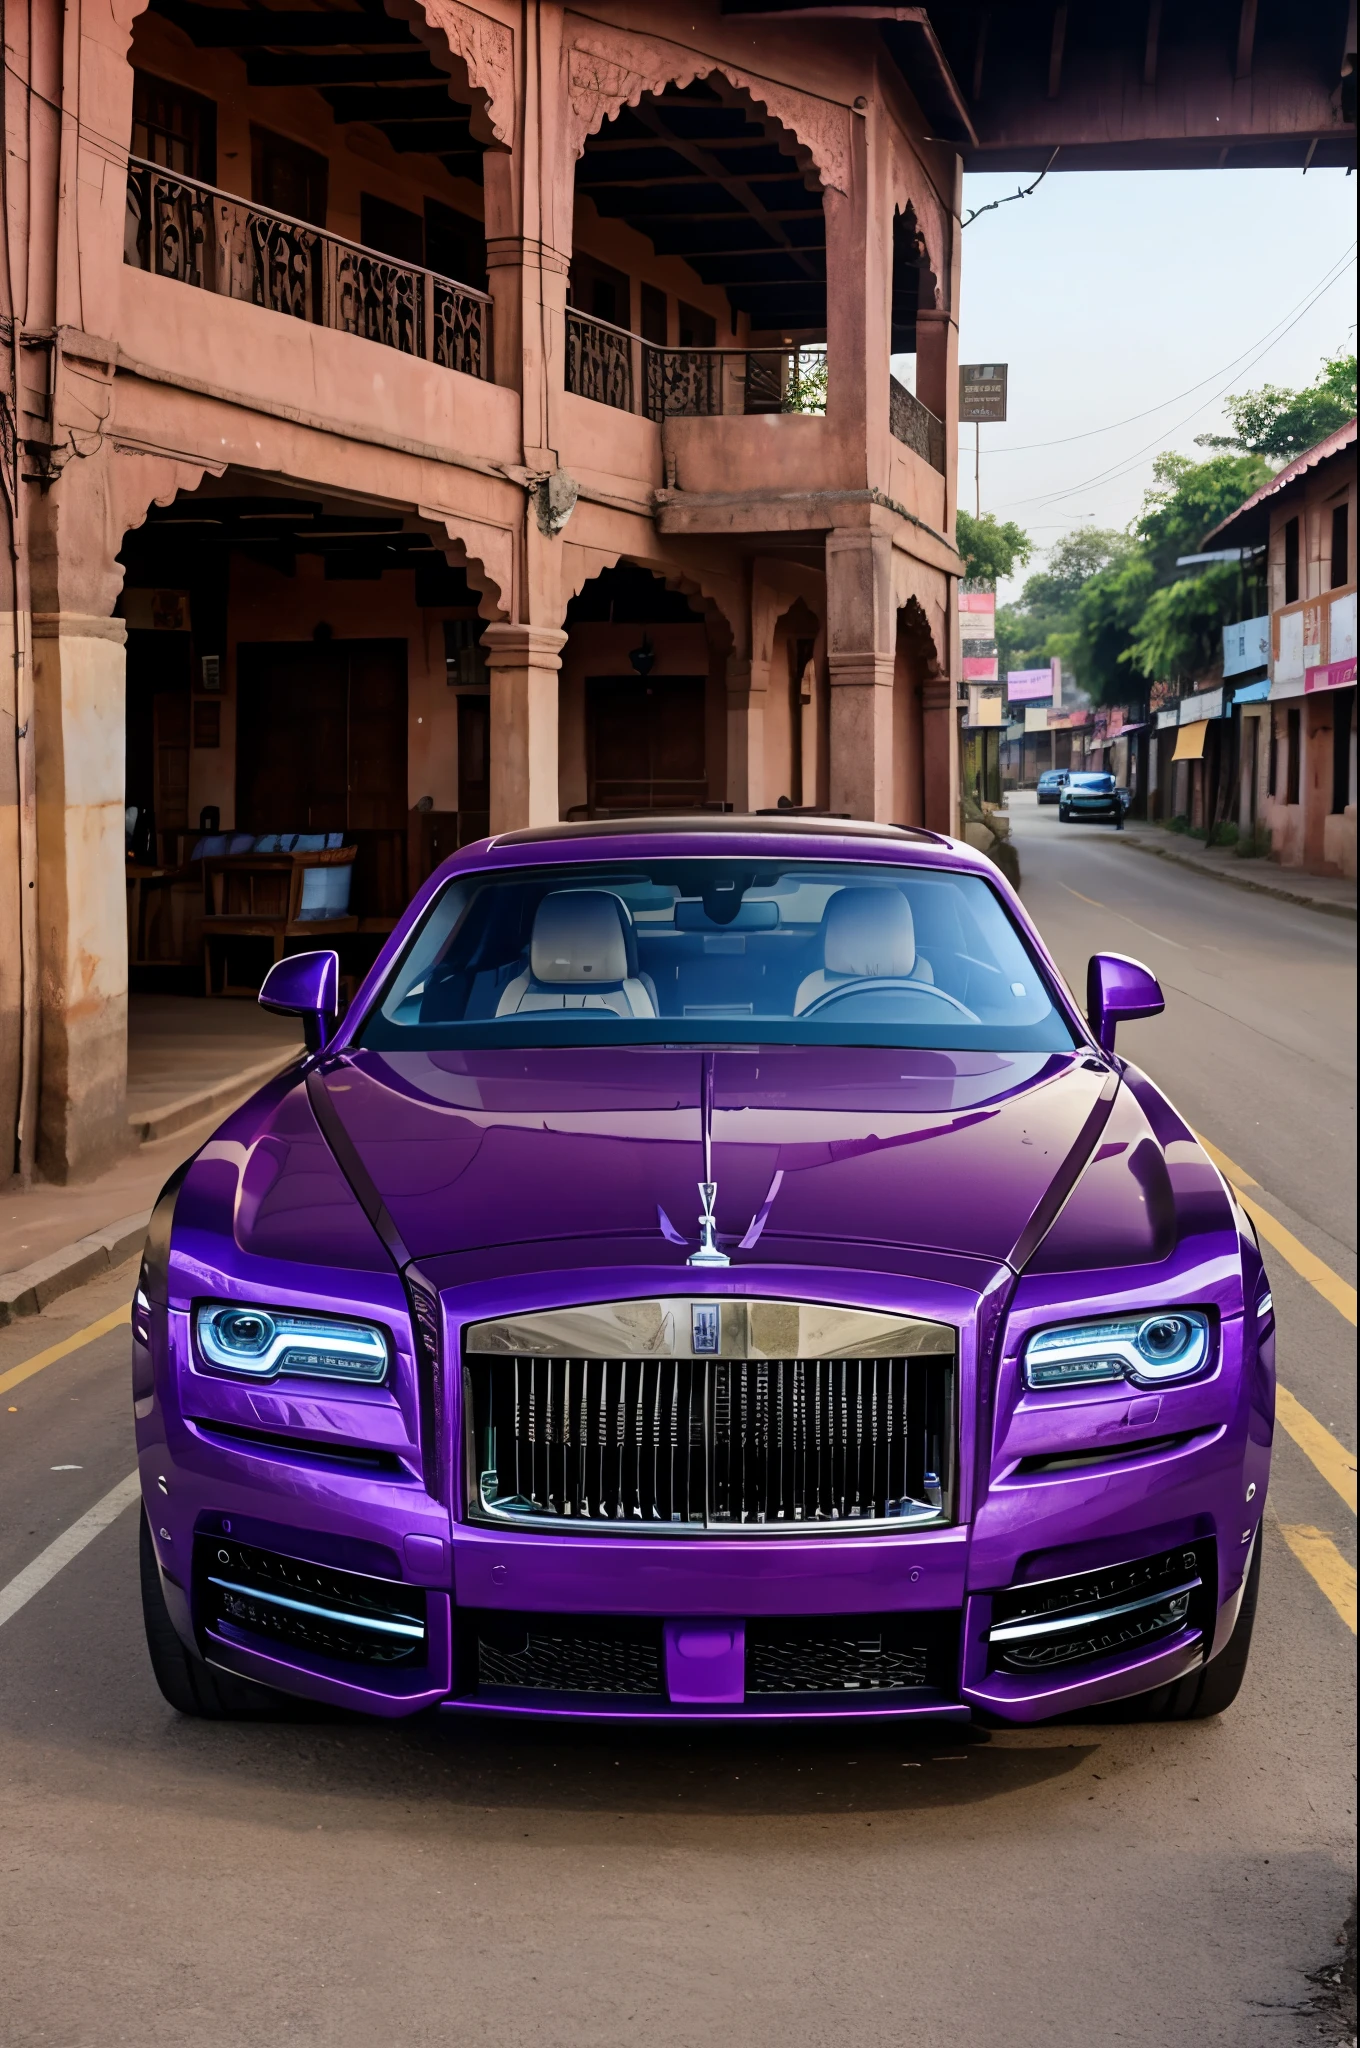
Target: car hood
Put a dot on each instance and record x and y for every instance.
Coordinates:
(967, 1153)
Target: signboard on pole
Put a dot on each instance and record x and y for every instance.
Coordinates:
(982, 391)
(1029, 685)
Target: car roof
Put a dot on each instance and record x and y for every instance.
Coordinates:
(717, 824)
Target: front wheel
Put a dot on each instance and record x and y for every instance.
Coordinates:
(190, 1685)
(1064, 815)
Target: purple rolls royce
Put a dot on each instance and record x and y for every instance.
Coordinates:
(712, 1271)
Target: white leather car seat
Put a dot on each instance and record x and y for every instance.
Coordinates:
(867, 934)
(578, 960)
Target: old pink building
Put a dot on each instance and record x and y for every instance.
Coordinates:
(425, 418)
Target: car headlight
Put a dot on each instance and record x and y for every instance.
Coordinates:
(1167, 1345)
(261, 1343)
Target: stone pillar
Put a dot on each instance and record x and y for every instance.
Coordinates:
(78, 696)
(746, 693)
(524, 662)
(861, 659)
(940, 754)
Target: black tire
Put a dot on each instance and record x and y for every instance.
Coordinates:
(1063, 814)
(190, 1685)
(1214, 1687)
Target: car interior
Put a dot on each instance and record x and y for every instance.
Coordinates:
(717, 942)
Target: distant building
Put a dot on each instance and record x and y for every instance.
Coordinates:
(1299, 741)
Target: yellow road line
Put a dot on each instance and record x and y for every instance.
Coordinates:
(1229, 1168)
(1329, 1285)
(1325, 1566)
(1333, 1460)
(17, 1373)
(1094, 901)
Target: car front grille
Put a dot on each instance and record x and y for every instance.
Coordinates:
(1106, 1613)
(675, 1445)
(307, 1606)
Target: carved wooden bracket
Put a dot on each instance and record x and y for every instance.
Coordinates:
(605, 75)
(483, 48)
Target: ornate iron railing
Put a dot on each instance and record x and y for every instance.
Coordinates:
(178, 227)
(615, 367)
(600, 360)
(914, 425)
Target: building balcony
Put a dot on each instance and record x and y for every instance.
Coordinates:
(179, 228)
(620, 369)
(915, 426)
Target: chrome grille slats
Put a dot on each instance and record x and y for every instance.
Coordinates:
(693, 1443)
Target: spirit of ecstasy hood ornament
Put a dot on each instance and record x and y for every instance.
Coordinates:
(709, 1252)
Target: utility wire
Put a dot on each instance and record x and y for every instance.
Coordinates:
(1130, 462)
(1027, 447)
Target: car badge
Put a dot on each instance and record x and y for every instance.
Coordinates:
(703, 1329)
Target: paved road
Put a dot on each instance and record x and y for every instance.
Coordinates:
(362, 1886)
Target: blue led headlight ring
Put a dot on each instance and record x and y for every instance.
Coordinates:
(262, 1343)
(1148, 1348)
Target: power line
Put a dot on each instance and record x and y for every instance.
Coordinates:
(1127, 463)
(1028, 447)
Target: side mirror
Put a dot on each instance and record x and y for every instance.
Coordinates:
(306, 985)
(1117, 990)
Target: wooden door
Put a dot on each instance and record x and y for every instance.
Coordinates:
(645, 743)
(321, 736)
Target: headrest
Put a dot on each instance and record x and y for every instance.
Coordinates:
(868, 932)
(578, 940)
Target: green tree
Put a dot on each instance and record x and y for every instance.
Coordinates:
(1108, 612)
(1179, 633)
(1281, 424)
(1188, 498)
(1040, 623)
(991, 550)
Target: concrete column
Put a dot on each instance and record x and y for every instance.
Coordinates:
(861, 659)
(78, 692)
(524, 662)
(940, 753)
(746, 695)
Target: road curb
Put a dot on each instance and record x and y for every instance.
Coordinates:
(191, 1109)
(1281, 895)
(30, 1289)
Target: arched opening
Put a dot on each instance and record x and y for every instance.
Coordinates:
(643, 703)
(324, 167)
(797, 713)
(306, 726)
(698, 282)
(910, 415)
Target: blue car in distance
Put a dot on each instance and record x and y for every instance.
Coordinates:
(1091, 797)
(1051, 785)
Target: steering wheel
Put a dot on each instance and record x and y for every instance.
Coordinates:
(870, 985)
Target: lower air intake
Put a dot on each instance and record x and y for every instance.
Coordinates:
(1116, 1610)
(308, 1606)
(840, 1654)
(546, 1653)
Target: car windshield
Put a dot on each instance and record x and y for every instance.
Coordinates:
(717, 950)
(1094, 785)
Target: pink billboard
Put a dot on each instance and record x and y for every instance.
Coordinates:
(1029, 685)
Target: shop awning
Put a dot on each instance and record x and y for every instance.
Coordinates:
(1190, 741)
(1253, 693)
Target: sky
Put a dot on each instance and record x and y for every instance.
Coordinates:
(1113, 292)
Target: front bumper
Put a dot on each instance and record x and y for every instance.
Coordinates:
(883, 1624)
